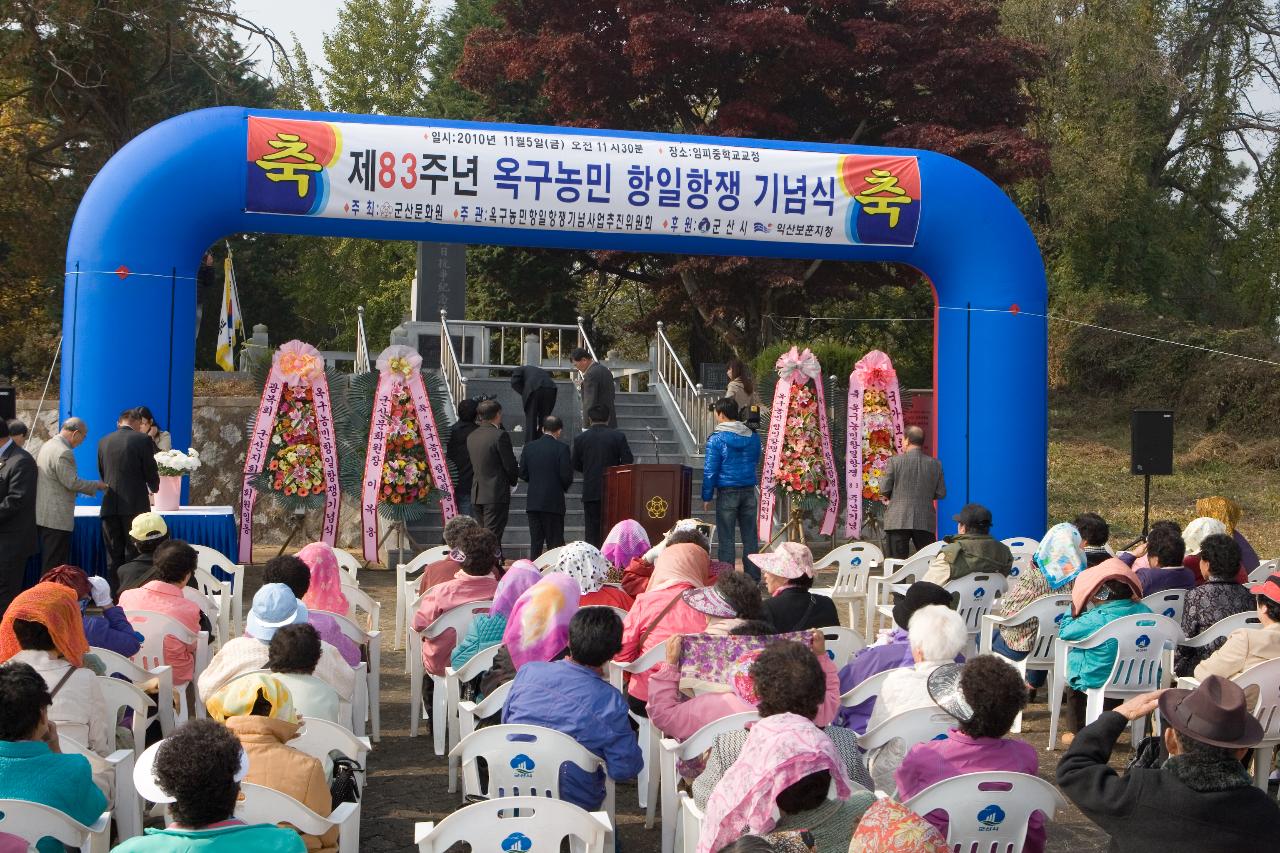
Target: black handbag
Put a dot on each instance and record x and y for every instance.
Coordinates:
(345, 787)
(1149, 755)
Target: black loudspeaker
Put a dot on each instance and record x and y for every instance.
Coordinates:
(8, 404)
(1151, 437)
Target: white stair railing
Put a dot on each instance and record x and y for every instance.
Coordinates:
(687, 395)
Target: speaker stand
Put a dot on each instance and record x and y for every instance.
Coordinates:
(1146, 505)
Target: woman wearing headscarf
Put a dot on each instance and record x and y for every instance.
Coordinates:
(486, 629)
(537, 629)
(258, 710)
(1229, 513)
(1054, 567)
(43, 628)
(661, 611)
(325, 592)
(626, 541)
(588, 566)
(788, 776)
(111, 630)
(1198, 530)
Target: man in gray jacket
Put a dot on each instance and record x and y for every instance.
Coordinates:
(912, 481)
(56, 487)
(597, 387)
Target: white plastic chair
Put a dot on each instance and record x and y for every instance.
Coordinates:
(479, 663)
(1265, 678)
(1047, 611)
(690, 824)
(988, 811)
(1217, 631)
(365, 603)
(469, 713)
(459, 619)
(1142, 639)
(912, 727)
(516, 824)
(842, 645)
(403, 572)
(348, 568)
(218, 596)
(126, 807)
(1023, 549)
(318, 738)
(648, 734)
(33, 821)
(1265, 569)
(854, 563)
(118, 664)
(547, 559)
(674, 751)
(524, 761)
(260, 804)
(895, 572)
(154, 628)
(868, 688)
(978, 593)
(1169, 602)
(118, 693)
(210, 611)
(371, 642)
(209, 559)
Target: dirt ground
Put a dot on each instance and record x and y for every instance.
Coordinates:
(407, 782)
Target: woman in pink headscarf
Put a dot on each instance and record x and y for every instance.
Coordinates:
(788, 776)
(325, 592)
(626, 541)
(537, 629)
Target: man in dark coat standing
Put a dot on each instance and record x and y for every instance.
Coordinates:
(127, 463)
(597, 387)
(600, 447)
(912, 481)
(537, 392)
(494, 468)
(546, 467)
(1201, 799)
(457, 453)
(18, 536)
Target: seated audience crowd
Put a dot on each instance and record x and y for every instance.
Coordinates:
(795, 779)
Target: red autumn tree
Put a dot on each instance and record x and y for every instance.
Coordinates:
(931, 74)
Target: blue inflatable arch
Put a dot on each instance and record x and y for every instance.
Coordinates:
(158, 204)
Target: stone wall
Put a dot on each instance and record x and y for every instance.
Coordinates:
(219, 429)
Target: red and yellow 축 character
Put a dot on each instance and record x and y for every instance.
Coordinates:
(286, 163)
(886, 199)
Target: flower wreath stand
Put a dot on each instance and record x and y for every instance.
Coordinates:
(293, 450)
(799, 462)
(393, 439)
(873, 436)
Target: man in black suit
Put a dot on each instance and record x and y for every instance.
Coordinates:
(546, 467)
(494, 468)
(600, 447)
(457, 453)
(18, 536)
(127, 462)
(537, 392)
(597, 386)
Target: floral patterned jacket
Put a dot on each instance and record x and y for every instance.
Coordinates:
(1207, 604)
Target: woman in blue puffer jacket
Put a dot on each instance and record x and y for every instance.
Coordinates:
(731, 473)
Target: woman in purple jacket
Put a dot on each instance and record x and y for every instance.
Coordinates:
(111, 630)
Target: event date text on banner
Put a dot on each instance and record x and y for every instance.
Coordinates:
(570, 182)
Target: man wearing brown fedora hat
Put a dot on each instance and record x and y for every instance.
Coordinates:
(1201, 798)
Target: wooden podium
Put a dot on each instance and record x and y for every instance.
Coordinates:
(657, 496)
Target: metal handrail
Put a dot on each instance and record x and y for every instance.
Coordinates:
(454, 382)
(362, 363)
(552, 353)
(685, 393)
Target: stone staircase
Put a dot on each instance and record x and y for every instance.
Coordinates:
(652, 437)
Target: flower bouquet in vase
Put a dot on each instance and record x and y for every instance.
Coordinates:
(173, 465)
(799, 464)
(394, 430)
(874, 434)
(293, 452)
